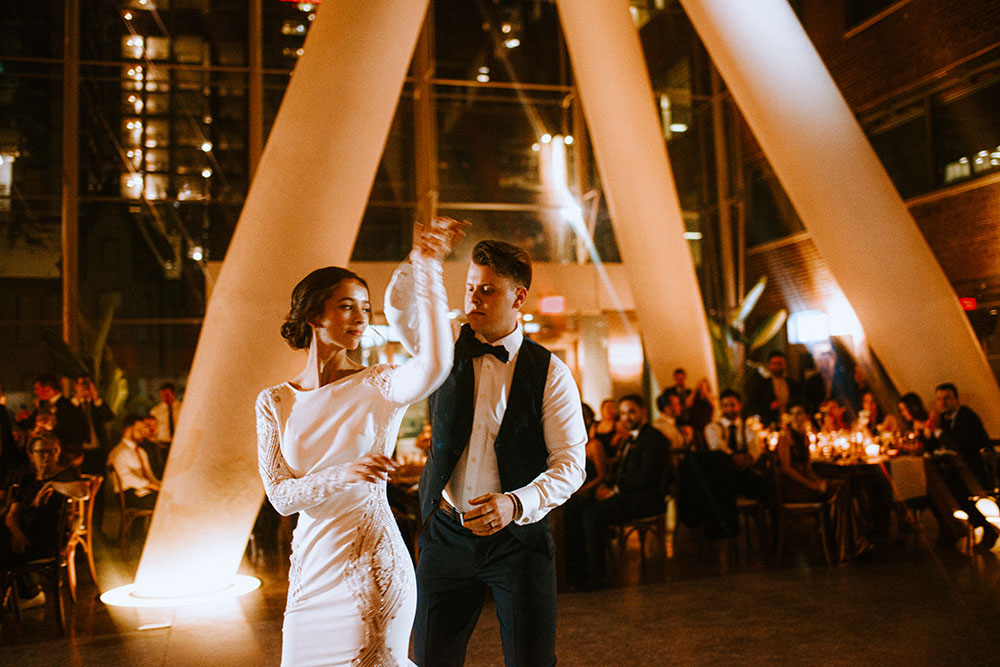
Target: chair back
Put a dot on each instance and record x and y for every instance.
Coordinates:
(86, 505)
(116, 484)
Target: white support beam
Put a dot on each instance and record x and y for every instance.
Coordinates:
(618, 104)
(846, 201)
(303, 212)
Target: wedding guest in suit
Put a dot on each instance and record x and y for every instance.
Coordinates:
(731, 435)
(155, 451)
(167, 413)
(69, 423)
(957, 428)
(678, 389)
(508, 445)
(96, 417)
(768, 396)
(636, 488)
(132, 465)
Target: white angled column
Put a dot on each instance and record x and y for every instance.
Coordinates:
(302, 212)
(860, 225)
(621, 115)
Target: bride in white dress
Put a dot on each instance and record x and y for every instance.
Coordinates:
(324, 442)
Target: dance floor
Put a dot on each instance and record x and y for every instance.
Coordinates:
(909, 605)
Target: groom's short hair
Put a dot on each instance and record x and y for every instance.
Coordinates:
(506, 259)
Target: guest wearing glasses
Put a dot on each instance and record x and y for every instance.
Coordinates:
(30, 527)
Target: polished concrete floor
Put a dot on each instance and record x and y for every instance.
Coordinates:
(910, 604)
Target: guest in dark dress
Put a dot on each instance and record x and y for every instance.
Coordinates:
(605, 430)
(575, 543)
(30, 526)
(797, 481)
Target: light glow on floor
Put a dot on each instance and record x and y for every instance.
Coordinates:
(123, 596)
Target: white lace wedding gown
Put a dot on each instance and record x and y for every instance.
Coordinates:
(351, 586)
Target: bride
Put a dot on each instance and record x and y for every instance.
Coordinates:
(324, 440)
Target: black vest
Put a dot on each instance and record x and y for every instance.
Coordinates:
(520, 442)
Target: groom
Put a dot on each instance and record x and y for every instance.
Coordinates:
(507, 446)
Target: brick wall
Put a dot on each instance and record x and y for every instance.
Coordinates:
(963, 230)
(914, 41)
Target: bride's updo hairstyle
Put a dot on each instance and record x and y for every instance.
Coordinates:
(308, 300)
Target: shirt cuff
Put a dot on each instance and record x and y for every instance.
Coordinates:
(530, 500)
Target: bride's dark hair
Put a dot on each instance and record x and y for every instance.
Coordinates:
(308, 299)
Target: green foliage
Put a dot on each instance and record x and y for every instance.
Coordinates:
(100, 363)
(730, 343)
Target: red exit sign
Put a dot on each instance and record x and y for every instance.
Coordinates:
(968, 302)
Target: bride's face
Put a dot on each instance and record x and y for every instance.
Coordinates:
(345, 316)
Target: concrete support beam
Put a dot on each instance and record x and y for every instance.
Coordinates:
(846, 201)
(618, 103)
(302, 212)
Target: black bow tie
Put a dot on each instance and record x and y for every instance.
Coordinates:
(470, 347)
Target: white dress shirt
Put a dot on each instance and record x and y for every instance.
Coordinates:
(132, 465)
(717, 436)
(160, 411)
(477, 473)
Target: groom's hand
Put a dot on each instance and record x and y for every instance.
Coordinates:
(491, 513)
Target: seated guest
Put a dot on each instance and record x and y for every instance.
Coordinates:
(634, 489)
(767, 396)
(871, 419)
(731, 435)
(606, 429)
(673, 413)
(132, 465)
(914, 424)
(832, 416)
(167, 413)
(702, 408)
(96, 417)
(797, 481)
(678, 389)
(69, 425)
(666, 423)
(155, 450)
(575, 543)
(11, 456)
(957, 428)
(596, 466)
(31, 525)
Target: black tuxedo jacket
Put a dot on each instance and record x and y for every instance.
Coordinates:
(641, 476)
(965, 434)
(760, 395)
(100, 416)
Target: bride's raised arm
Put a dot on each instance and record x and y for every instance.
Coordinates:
(416, 305)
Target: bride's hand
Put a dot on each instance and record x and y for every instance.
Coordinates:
(371, 468)
(437, 240)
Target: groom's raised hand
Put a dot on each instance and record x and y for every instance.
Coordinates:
(492, 512)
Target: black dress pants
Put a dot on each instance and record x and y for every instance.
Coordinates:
(455, 570)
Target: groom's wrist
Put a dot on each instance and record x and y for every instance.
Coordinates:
(518, 508)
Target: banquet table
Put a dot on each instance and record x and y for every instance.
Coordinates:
(863, 505)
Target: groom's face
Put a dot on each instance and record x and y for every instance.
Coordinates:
(491, 302)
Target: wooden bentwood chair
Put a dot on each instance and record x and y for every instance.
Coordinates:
(81, 533)
(128, 515)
